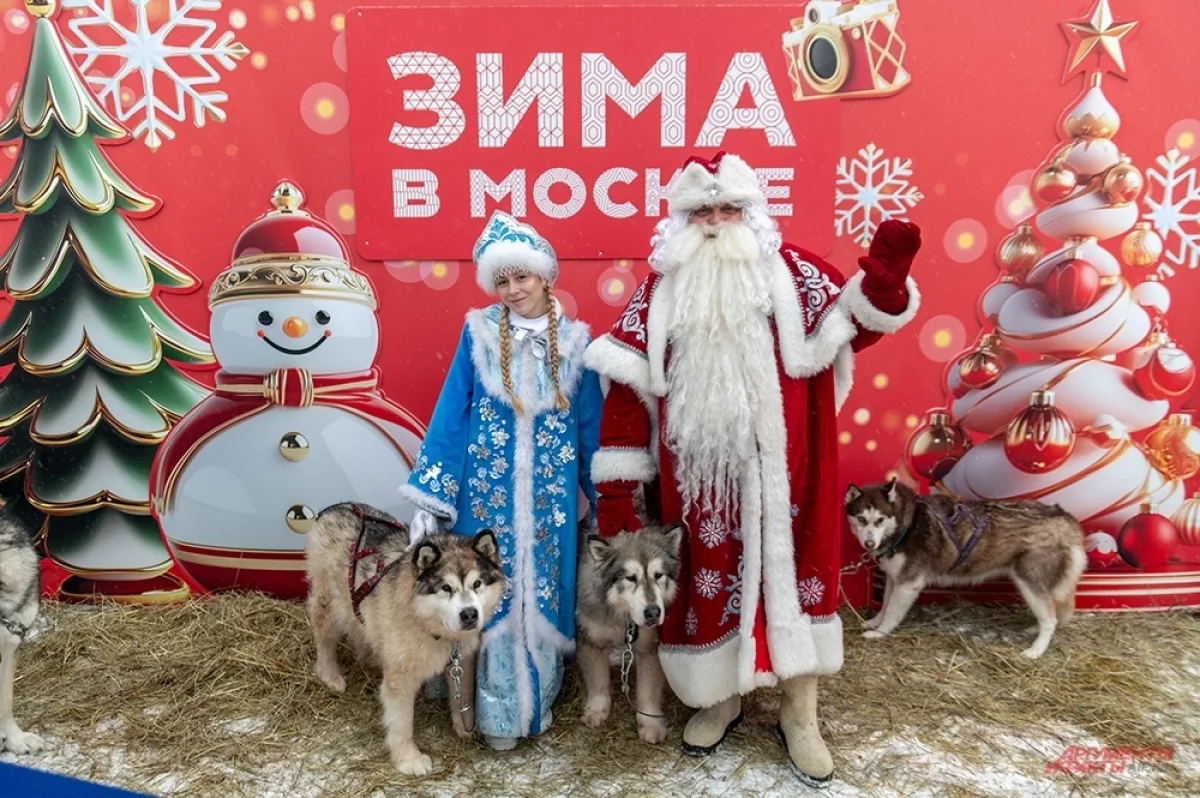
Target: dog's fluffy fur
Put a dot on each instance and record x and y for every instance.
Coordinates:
(1038, 546)
(20, 591)
(630, 578)
(440, 594)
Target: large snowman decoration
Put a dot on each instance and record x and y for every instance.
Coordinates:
(296, 422)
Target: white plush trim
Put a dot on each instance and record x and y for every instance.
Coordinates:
(613, 465)
(702, 678)
(735, 182)
(619, 363)
(843, 376)
(658, 327)
(751, 519)
(804, 356)
(485, 355)
(524, 591)
(510, 256)
(424, 501)
(871, 317)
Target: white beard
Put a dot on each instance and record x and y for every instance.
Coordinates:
(722, 353)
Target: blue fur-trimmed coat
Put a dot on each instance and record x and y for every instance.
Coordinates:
(483, 466)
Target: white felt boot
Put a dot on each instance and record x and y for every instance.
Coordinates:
(709, 727)
(801, 736)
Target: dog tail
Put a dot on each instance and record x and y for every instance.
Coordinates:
(1064, 592)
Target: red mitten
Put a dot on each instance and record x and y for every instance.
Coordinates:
(886, 266)
(614, 511)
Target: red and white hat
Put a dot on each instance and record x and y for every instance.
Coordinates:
(726, 179)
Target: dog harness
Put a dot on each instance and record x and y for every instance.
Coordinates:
(14, 628)
(947, 524)
(358, 554)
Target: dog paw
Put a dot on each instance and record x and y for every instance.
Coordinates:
(332, 678)
(419, 765)
(874, 634)
(1033, 652)
(652, 730)
(596, 716)
(20, 742)
(873, 623)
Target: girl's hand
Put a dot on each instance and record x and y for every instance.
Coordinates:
(425, 523)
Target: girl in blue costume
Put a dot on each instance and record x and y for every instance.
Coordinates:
(509, 447)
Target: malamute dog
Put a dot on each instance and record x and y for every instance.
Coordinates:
(20, 590)
(425, 605)
(934, 540)
(625, 585)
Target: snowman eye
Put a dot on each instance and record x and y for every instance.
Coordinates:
(322, 317)
(266, 319)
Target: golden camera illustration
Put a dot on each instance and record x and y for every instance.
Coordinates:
(847, 48)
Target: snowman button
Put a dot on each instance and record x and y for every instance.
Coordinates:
(294, 447)
(300, 518)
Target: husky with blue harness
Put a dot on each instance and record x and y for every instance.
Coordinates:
(922, 541)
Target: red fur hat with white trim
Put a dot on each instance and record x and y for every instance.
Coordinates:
(724, 179)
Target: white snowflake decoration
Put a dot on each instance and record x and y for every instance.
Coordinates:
(708, 582)
(1176, 215)
(811, 590)
(712, 532)
(181, 50)
(691, 624)
(870, 190)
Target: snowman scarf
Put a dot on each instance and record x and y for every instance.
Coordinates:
(239, 396)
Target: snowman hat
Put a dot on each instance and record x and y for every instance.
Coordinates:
(508, 245)
(726, 179)
(289, 252)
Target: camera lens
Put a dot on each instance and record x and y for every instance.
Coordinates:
(822, 58)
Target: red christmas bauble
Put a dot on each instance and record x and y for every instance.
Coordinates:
(1147, 540)
(979, 368)
(1101, 549)
(1073, 285)
(1041, 437)
(935, 447)
(1165, 372)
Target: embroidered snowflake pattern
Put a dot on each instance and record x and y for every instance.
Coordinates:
(153, 73)
(691, 623)
(870, 190)
(794, 510)
(1174, 210)
(811, 591)
(566, 454)
(486, 411)
(499, 467)
(498, 498)
(713, 532)
(499, 436)
(708, 582)
(545, 438)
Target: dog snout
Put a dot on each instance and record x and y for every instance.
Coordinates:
(468, 616)
(652, 613)
(869, 544)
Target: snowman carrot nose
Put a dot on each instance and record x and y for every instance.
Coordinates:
(295, 327)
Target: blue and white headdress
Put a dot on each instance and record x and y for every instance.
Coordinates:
(508, 245)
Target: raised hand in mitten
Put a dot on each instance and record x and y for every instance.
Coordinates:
(424, 523)
(890, 258)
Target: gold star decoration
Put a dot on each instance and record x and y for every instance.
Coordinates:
(1099, 30)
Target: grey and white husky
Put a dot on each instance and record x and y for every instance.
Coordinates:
(20, 591)
(624, 587)
(920, 541)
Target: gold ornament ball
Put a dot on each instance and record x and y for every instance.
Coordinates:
(1173, 447)
(1054, 182)
(1142, 246)
(1123, 182)
(41, 8)
(1019, 252)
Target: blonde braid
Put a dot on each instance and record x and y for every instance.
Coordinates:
(506, 361)
(560, 401)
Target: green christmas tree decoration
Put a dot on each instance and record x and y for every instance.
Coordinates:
(92, 388)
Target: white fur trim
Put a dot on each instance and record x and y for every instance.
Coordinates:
(619, 363)
(696, 187)
(612, 465)
(702, 678)
(804, 356)
(751, 518)
(524, 593)
(843, 376)
(424, 501)
(510, 256)
(658, 326)
(871, 317)
(485, 355)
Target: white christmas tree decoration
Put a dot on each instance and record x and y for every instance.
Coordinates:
(1176, 213)
(870, 190)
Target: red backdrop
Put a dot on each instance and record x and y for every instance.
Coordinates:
(958, 143)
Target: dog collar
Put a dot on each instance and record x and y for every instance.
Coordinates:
(14, 628)
(896, 541)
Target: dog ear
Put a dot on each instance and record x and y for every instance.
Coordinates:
(891, 491)
(598, 548)
(674, 537)
(852, 493)
(485, 545)
(426, 555)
